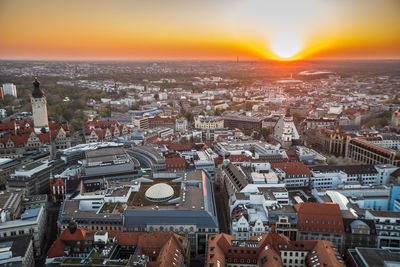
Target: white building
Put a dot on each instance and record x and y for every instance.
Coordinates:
(208, 122)
(285, 131)
(33, 221)
(39, 108)
(3, 113)
(9, 89)
(335, 176)
(206, 161)
(181, 125)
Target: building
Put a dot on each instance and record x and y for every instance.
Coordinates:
(387, 227)
(371, 257)
(39, 108)
(109, 163)
(80, 247)
(175, 164)
(32, 221)
(285, 131)
(326, 176)
(359, 233)
(141, 122)
(181, 125)
(232, 178)
(331, 141)
(270, 250)
(33, 178)
(242, 122)
(104, 130)
(9, 89)
(319, 122)
(208, 122)
(17, 251)
(251, 148)
(165, 122)
(149, 157)
(18, 137)
(294, 174)
(320, 221)
(11, 204)
(177, 202)
(361, 150)
(396, 119)
(205, 161)
(284, 219)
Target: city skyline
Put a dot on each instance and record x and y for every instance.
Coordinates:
(182, 30)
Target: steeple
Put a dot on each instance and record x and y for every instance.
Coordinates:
(37, 92)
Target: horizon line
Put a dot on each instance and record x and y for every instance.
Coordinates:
(203, 60)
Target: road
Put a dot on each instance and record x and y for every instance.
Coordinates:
(51, 231)
(221, 199)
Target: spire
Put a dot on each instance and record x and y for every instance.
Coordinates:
(37, 92)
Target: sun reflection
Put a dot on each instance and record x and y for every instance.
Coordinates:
(286, 45)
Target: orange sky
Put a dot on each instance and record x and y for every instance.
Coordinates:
(184, 29)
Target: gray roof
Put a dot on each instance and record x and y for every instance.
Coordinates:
(141, 218)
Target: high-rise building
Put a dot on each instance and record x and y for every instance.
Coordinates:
(9, 89)
(39, 108)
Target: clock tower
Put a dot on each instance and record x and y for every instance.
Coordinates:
(39, 108)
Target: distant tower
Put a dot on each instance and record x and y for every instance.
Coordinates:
(39, 108)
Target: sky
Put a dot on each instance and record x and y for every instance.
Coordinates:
(193, 29)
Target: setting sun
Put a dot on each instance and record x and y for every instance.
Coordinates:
(286, 45)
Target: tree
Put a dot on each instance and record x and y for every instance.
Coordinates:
(189, 116)
(265, 132)
(156, 96)
(218, 112)
(247, 132)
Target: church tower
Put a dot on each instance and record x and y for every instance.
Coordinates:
(39, 108)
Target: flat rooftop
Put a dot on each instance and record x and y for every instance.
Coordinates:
(375, 256)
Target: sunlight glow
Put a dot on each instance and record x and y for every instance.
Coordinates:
(286, 45)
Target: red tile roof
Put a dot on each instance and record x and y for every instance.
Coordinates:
(221, 249)
(319, 217)
(292, 168)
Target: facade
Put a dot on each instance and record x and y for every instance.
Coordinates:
(361, 150)
(109, 163)
(270, 250)
(387, 227)
(232, 178)
(294, 174)
(208, 122)
(104, 130)
(17, 251)
(80, 247)
(333, 176)
(9, 89)
(321, 221)
(39, 108)
(165, 122)
(181, 125)
(284, 219)
(149, 157)
(141, 122)
(331, 141)
(205, 161)
(396, 119)
(359, 233)
(285, 131)
(175, 164)
(33, 178)
(32, 221)
(20, 137)
(242, 122)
